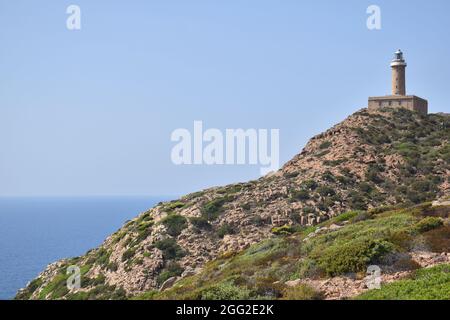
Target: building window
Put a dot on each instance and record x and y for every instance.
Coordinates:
(380, 103)
(390, 103)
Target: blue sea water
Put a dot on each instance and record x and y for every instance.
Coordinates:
(37, 231)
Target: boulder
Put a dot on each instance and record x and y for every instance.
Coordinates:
(293, 283)
(168, 283)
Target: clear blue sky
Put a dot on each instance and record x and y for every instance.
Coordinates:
(90, 112)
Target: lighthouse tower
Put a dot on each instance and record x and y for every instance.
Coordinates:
(398, 66)
(398, 98)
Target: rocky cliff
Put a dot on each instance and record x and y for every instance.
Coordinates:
(371, 159)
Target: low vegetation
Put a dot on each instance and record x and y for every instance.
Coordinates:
(170, 248)
(425, 284)
(212, 209)
(174, 224)
(364, 238)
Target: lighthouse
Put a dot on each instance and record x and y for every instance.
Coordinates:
(398, 66)
(398, 97)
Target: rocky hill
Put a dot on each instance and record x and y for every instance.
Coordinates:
(372, 159)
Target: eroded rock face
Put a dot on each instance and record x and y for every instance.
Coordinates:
(361, 163)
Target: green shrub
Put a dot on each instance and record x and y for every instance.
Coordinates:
(100, 292)
(422, 186)
(362, 215)
(334, 163)
(233, 189)
(128, 254)
(309, 210)
(328, 176)
(407, 149)
(301, 292)
(323, 153)
(172, 269)
(365, 187)
(346, 216)
(81, 295)
(346, 172)
(224, 291)
(57, 288)
(144, 218)
(173, 205)
(170, 249)
(427, 224)
(300, 195)
(344, 180)
(326, 191)
(112, 266)
(200, 223)
(268, 287)
(308, 268)
(357, 201)
(308, 230)
(149, 295)
(328, 202)
(438, 239)
(212, 209)
(418, 197)
(174, 224)
(372, 174)
(225, 229)
(310, 184)
(144, 231)
(119, 236)
(285, 230)
(325, 145)
(102, 257)
(194, 195)
(402, 238)
(295, 217)
(352, 256)
(290, 175)
(88, 282)
(118, 294)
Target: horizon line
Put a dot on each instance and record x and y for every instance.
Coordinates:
(89, 196)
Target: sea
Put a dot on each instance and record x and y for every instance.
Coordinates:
(36, 231)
